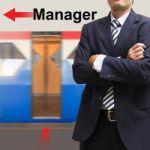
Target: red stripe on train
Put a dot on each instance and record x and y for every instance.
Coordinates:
(68, 35)
(19, 35)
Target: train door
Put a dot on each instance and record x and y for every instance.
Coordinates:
(46, 75)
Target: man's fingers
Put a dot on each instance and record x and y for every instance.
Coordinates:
(92, 59)
(140, 53)
(136, 57)
(138, 45)
(137, 50)
(140, 57)
(89, 60)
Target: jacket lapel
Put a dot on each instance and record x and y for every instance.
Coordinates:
(126, 31)
(103, 30)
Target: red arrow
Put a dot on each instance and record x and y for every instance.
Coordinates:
(12, 14)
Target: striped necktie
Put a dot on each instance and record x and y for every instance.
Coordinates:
(108, 99)
(115, 31)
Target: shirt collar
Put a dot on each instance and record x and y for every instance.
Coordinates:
(122, 19)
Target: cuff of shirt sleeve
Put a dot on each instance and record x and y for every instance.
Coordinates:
(97, 65)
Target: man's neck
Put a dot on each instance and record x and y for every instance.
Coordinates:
(118, 14)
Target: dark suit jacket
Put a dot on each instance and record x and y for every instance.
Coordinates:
(131, 79)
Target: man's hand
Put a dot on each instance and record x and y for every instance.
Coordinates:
(92, 59)
(136, 52)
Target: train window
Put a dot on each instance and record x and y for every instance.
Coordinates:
(10, 51)
(46, 75)
(11, 59)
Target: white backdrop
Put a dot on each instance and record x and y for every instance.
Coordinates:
(140, 6)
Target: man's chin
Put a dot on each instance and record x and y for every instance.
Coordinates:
(119, 7)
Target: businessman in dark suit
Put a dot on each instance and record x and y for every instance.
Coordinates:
(113, 60)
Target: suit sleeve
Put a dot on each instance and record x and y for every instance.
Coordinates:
(130, 71)
(82, 71)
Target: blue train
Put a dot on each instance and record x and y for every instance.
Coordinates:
(16, 93)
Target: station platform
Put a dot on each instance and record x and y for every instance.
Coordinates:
(31, 136)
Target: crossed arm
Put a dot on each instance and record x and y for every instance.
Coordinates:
(82, 70)
(134, 69)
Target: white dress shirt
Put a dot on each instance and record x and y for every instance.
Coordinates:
(97, 65)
